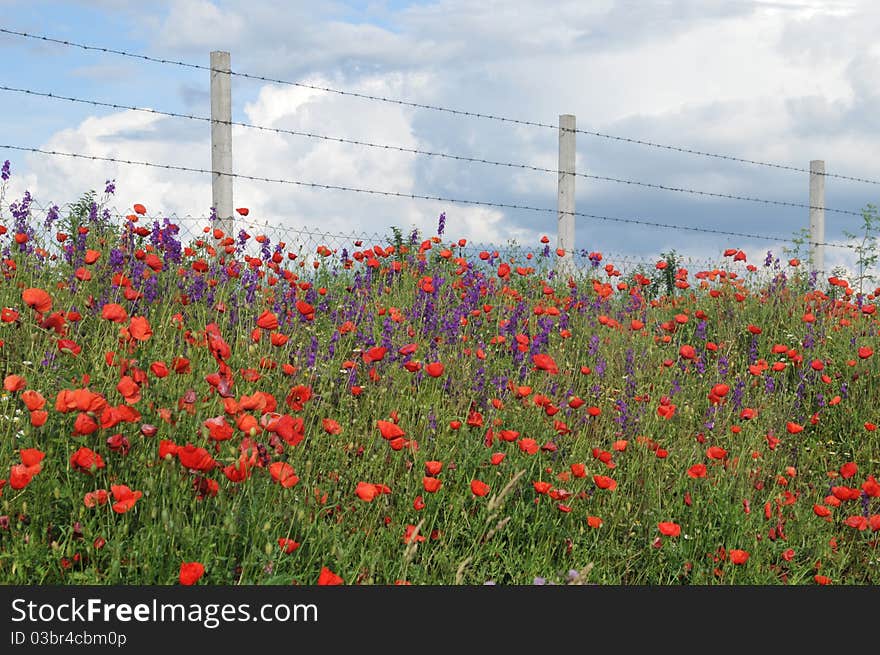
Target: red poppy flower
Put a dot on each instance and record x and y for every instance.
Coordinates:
(433, 467)
(687, 352)
(140, 329)
(697, 471)
(720, 390)
(376, 354)
(37, 299)
(666, 410)
(479, 488)
(669, 529)
(125, 498)
(13, 383)
(97, 497)
(845, 493)
(716, 452)
(19, 476)
(528, 446)
(821, 511)
(604, 482)
(389, 430)
(848, 470)
(195, 458)
(288, 545)
(129, 389)
(475, 419)
(86, 460)
(858, 522)
(542, 487)
(576, 402)
(267, 320)
(327, 577)
(793, 428)
(84, 424)
(190, 572)
(594, 521)
(367, 491)
(431, 485)
(33, 400)
(32, 458)
(544, 362)
(69, 346)
(330, 426)
(298, 396)
(218, 428)
(283, 474)
(8, 315)
(114, 312)
(305, 309)
(434, 369)
(139, 209)
(39, 418)
(738, 556)
(508, 435)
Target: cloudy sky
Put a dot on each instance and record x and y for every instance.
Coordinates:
(782, 81)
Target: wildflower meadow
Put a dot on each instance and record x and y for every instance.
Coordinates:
(197, 407)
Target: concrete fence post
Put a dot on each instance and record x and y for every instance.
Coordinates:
(817, 216)
(565, 201)
(221, 140)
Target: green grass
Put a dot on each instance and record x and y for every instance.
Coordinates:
(512, 535)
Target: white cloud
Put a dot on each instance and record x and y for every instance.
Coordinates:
(201, 24)
(139, 136)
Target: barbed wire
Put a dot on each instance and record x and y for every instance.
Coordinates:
(414, 196)
(416, 105)
(416, 151)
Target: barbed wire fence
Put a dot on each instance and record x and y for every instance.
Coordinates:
(221, 124)
(303, 245)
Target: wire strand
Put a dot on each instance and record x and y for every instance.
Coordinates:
(414, 196)
(417, 105)
(416, 151)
